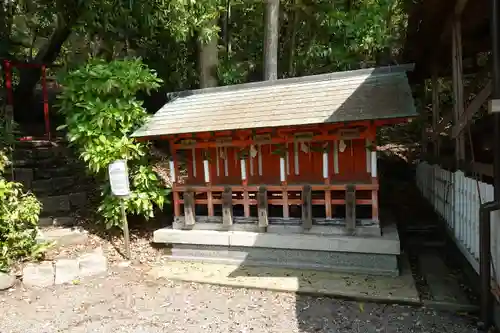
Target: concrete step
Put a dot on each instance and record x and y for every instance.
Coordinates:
(359, 287)
(58, 221)
(443, 285)
(326, 261)
(62, 236)
(388, 243)
(352, 254)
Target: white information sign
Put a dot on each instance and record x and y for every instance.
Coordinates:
(118, 178)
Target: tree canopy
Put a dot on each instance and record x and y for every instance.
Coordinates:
(316, 36)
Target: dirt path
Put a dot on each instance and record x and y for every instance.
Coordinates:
(129, 301)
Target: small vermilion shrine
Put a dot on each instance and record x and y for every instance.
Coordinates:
(287, 156)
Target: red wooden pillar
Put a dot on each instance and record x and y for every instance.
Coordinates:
(173, 176)
(284, 183)
(207, 172)
(45, 102)
(244, 182)
(326, 179)
(374, 174)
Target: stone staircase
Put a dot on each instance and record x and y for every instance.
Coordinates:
(53, 173)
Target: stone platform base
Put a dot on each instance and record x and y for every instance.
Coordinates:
(352, 254)
(377, 264)
(358, 287)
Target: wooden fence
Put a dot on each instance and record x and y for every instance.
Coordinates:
(456, 198)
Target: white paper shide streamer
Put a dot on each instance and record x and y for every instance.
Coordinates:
(282, 169)
(172, 170)
(243, 169)
(325, 164)
(374, 163)
(206, 171)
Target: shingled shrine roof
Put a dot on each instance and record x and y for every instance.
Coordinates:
(365, 94)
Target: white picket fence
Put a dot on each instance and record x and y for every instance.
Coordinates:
(456, 198)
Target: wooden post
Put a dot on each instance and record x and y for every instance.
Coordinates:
(328, 204)
(227, 206)
(436, 136)
(375, 216)
(177, 203)
(189, 212)
(458, 86)
(307, 207)
(286, 212)
(283, 179)
(326, 178)
(262, 207)
(350, 207)
(207, 171)
(246, 203)
(173, 176)
(210, 203)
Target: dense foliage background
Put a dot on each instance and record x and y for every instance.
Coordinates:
(173, 36)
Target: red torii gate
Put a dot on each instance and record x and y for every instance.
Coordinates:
(8, 65)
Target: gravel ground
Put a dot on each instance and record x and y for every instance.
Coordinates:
(127, 300)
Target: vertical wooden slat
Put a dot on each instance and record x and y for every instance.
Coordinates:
(210, 203)
(246, 203)
(375, 216)
(350, 207)
(262, 207)
(286, 213)
(207, 169)
(328, 204)
(177, 204)
(189, 212)
(227, 206)
(307, 207)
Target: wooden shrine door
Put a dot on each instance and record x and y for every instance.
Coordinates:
(352, 163)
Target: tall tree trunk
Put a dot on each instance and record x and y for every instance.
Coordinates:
(227, 29)
(208, 61)
(29, 77)
(293, 38)
(271, 36)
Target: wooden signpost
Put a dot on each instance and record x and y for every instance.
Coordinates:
(120, 187)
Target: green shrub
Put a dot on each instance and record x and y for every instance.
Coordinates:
(101, 110)
(19, 212)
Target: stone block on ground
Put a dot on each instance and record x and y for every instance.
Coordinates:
(58, 203)
(78, 199)
(39, 275)
(66, 270)
(64, 221)
(45, 221)
(64, 236)
(93, 263)
(6, 281)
